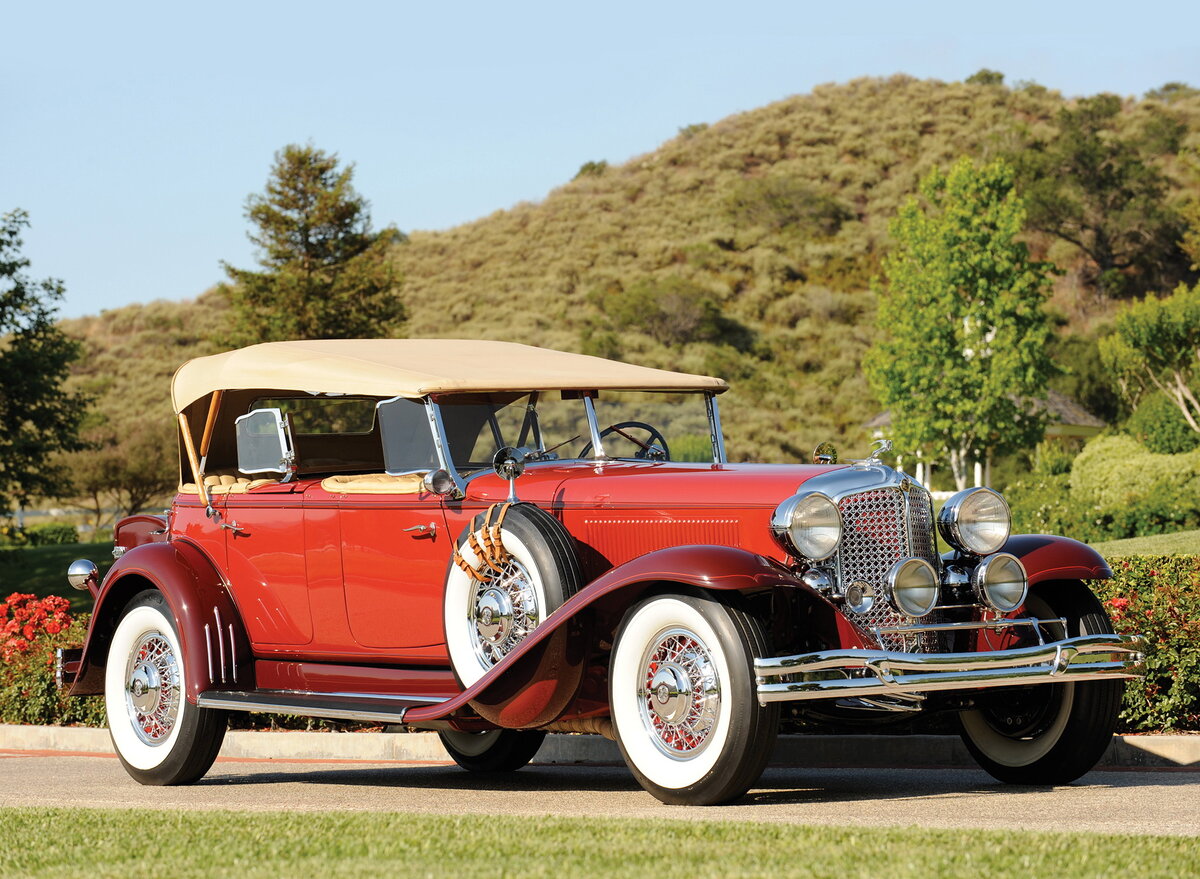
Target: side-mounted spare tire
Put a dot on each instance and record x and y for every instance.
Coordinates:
(517, 566)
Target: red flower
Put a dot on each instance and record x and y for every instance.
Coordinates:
(53, 627)
(28, 632)
(1119, 603)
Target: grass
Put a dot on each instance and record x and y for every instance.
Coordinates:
(117, 842)
(42, 570)
(1179, 543)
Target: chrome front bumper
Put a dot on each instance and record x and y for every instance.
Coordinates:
(857, 673)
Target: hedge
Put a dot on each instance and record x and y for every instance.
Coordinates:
(1159, 597)
(1155, 596)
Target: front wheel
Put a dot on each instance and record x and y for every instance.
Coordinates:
(496, 750)
(683, 699)
(1052, 733)
(159, 738)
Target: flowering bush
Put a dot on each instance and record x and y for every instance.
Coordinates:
(1159, 597)
(31, 629)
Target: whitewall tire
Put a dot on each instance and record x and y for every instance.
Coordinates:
(683, 699)
(1052, 733)
(496, 750)
(158, 736)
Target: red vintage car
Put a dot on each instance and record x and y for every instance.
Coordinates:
(494, 541)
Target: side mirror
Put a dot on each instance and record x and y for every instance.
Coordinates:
(825, 453)
(264, 442)
(509, 463)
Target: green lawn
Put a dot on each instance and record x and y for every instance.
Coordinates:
(42, 570)
(1179, 543)
(123, 843)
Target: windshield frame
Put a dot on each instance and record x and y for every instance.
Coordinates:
(599, 455)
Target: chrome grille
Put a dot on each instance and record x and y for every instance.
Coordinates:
(877, 528)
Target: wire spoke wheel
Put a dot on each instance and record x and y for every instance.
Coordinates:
(681, 693)
(152, 691)
(502, 612)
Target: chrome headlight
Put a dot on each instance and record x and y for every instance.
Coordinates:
(913, 584)
(1000, 581)
(976, 521)
(808, 525)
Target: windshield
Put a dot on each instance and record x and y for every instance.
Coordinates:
(633, 425)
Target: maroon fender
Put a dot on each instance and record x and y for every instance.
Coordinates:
(526, 689)
(133, 531)
(214, 642)
(1047, 557)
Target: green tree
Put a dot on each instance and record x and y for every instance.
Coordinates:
(1098, 189)
(37, 416)
(963, 335)
(1156, 343)
(325, 274)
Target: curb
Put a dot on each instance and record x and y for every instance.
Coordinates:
(851, 751)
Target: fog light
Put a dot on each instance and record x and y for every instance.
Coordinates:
(914, 586)
(1000, 581)
(860, 596)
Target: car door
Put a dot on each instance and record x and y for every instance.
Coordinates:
(395, 551)
(264, 544)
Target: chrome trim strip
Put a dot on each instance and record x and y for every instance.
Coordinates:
(58, 668)
(232, 653)
(953, 627)
(594, 428)
(208, 645)
(220, 642)
(1050, 663)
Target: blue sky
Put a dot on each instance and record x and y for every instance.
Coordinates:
(132, 133)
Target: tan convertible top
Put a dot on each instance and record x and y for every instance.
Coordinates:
(416, 367)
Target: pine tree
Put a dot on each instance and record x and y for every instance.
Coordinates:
(325, 274)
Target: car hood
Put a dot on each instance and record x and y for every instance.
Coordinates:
(651, 483)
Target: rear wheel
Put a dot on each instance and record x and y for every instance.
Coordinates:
(683, 699)
(1053, 733)
(496, 750)
(158, 736)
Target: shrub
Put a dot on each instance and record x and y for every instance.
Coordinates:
(1159, 424)
(1159, 598)
(31, 629)
(52, 534)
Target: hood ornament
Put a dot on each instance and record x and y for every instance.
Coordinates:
(879, 448)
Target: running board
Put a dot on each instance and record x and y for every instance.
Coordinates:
(371, 708)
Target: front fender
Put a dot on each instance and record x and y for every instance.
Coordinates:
(214, 643)
(535, 683)
(1047, 557)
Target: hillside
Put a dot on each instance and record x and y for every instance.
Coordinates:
(743, 249)
(776, 218)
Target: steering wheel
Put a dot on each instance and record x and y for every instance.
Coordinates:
(654, 448)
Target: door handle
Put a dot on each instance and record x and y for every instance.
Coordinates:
(429, 530)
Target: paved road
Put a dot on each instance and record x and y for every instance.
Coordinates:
(1155, 802)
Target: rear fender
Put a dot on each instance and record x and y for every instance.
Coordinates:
(535, 684)
(211, 635)
(1047, 557)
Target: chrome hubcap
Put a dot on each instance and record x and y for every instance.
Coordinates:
(493, 618)
(680, 696)
(501, 612)
(152, 688)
